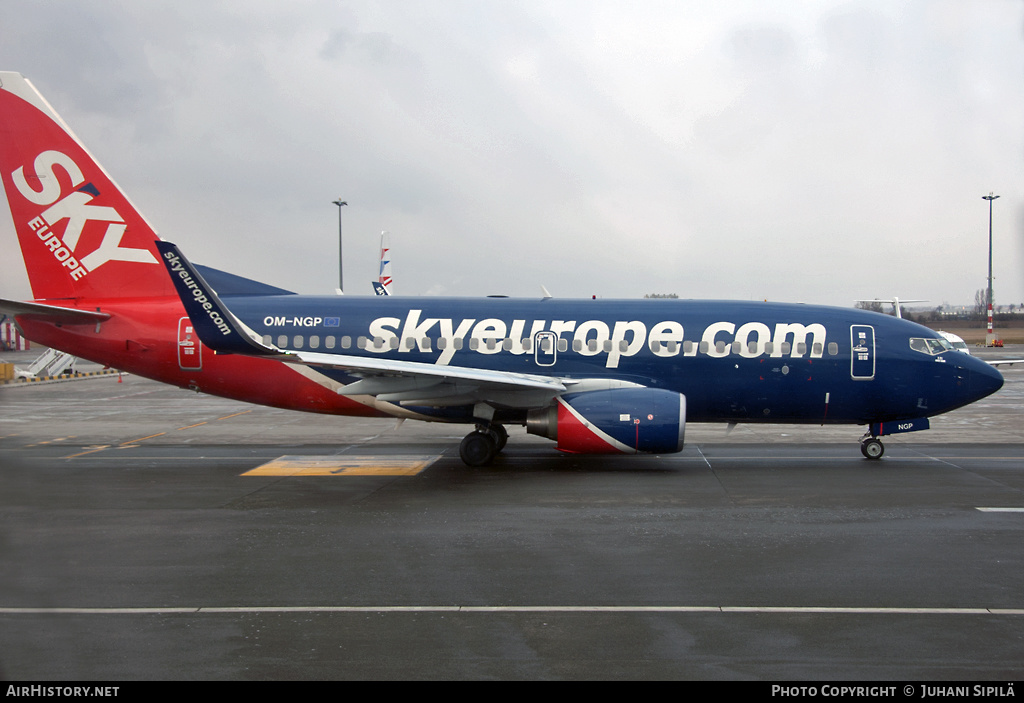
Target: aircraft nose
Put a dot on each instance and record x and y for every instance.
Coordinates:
(983, 379)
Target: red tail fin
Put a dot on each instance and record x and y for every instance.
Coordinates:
(80, 236)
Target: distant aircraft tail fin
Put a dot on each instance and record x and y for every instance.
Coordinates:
(383, 284)
(80, 236)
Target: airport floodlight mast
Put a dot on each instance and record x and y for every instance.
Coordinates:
(990, 337)
(341, 271)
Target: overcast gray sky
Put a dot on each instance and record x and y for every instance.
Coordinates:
(796, 151)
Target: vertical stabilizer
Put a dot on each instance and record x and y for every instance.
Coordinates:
(79, 234)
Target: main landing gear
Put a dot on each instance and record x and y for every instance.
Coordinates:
(871, 447)
(480, 447)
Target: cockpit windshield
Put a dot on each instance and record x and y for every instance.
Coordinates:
(929, 345)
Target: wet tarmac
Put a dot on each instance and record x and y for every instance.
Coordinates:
(152, 533)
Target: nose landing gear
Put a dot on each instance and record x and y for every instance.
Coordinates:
(871, 447)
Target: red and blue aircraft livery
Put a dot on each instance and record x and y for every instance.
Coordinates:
(596, 376)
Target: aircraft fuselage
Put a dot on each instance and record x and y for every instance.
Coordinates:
(734, 361)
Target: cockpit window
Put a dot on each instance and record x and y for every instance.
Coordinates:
(930, 345)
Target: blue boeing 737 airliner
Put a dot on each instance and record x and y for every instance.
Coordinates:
(595, 376)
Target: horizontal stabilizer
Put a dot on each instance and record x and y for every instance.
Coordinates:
(52, 313)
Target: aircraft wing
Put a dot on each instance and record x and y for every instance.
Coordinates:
(54, 313)
(415, 383)
(1003, 362)
(389, 380)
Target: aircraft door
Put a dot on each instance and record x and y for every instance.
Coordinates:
(545, 348)
(190, 354)
(862, 352)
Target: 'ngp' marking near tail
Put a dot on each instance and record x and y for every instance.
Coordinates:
(595, 376)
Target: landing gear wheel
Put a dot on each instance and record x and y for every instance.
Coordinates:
(478, 449)
(872, 448)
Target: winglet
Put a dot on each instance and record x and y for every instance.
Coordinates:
(216, 326)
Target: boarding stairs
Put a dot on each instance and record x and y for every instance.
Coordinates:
(50, 363)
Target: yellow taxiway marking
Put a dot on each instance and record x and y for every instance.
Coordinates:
(133, 441)
(244, 412)
(344, 466)
(99, 448)
(49, 441)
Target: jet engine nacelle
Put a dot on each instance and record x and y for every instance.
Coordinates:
(621, 420)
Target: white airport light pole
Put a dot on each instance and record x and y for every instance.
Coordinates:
(341, 271)
(990, 336)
